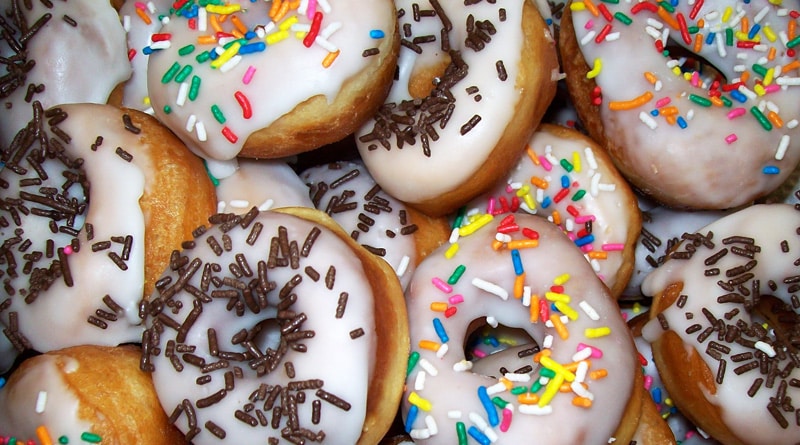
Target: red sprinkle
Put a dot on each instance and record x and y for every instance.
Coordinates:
(308, 40)
(530, 233)
(247, 110)
(605, 12)
(131, 54)
(161, 36)
(603, 33)
(696, 9)
(229, 135)
(644, 6)
(687, 38)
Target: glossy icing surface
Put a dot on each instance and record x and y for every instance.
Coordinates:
(714, 138)
(442, 392)
(262, 184)
(759, 249)
(61, 70)
(276, 354)
(141, 20)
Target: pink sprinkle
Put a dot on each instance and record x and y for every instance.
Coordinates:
(456, 299)
(690, 434)
(596, 353)
(506, 422)
(441, 285)
(584, 218)
(648, 382)
(587, 248)
(478, 353)
(731, 138)
(68, 250)
(509, 190)
(572, 236)
(613, 247)
(248, 75)
(663, 102)
(545, 163)
(589, 24)
(490, 206)
(140, 5)
(771, 88)
(695, 78)
(736, 112)
(312, 9)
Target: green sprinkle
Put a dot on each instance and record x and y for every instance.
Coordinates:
(700, 100)
(761, 70)
(499, 402)
(167, 109)
(63, 440)
(794, 42)
(214, 180)
(413, 358)
(725, 101)
(459, 217)
(566, 165)
(183, 74)
(547, 372)
(12, 440)
(729, 36)
(536, 386)
(765, 124)
(461, 432)
(517, 390)
(171, 72)
(667, 6)
(613, 2)
(186, 50)
(91, 437)
(202, 57)
(578, 195)
(194, 88)
(693, 29)
(456, 274)
(623, 18)
(215, 110)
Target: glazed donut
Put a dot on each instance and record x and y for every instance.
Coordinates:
(567, 178)
(662, 229)
(696, 101)
(724, 326)
(217, 86)
(434, 145)
(264, 184)
(50, 49)
(94, 201)
(446, 402)
(399, 234)
(63, 397)
(276, 327)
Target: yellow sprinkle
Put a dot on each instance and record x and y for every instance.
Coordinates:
(226, 55)
(577, 6)
(726, 15)
(677, 71)
(576, 161)
(473, 226)
(286, 24)
(419, 402)
(565, 309)
(597, 332)
(769, 33)
(451, 251)
(759, 89)
(596, 68)
(524, 190)
(637, 308)
(561, 279)
(223, 9)
(551, 389)
(555, 296)
(276, 37)
(529, 201)
(769, 76)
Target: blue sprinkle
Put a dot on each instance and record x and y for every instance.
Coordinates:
(439, 328)
(486, 401)
(546, 202)
(147, 50)
(377, 34)
(549, 22)
(2, 382)
(478, 435)
(255, 47)
(493, 341)
(681, 122)
(754, 31)
(738, 96)
(710, 38)
(656, 393)
(515, 258)
(654, 112)
(771, 170)
(564, 181)
(584, 240)
(411, 417)
(250, 35)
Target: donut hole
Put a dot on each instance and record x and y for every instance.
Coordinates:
(495, 350)
(690, 62)
(781, 319)
(266, 335)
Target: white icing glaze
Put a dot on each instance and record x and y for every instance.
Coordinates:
(263, 184)
(408, 174)
(113, 211)
(8, 353)
(661, 228)
(769, 226)
(18, 403)
(695, 166)
(343, 364)
(65, 57)
(592, 195)
(368, 221)
(140, 20)
(269, 93)
(453, 395)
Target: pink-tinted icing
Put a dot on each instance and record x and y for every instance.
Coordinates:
(444, 390)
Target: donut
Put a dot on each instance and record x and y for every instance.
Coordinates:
(695, 101)
(662, 229)
(215, 82)
(63, 397)
(276, 327)
(398, 234)
(723, 325)
(264, 184)
(567, 178)
(510, 279)
(434, 145)
(94, 201)
(49, 50)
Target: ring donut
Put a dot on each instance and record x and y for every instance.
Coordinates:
(696, 102)
(277, 327)
(446, 402)
(724, 325)
(474, 81)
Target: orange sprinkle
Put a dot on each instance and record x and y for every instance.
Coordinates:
(598, 255)
(745, 25)
(650, 77)
(668, 111)
(698, 42)
(206, 40)
(438, 306)
(716, 101)
(598, 374)
(522, 244)
(671, 119)
(794, 64)
(213, 20)
(668, 18)
(237, 23)
(519, 284)
(745, 76)
(573, 366)
(771, 53)
(564, 387)
(540, 354)
(143, 15)
(591, 7)
(528, 398)
(281, 12)
(700, 23)
(532, 155)
(497, 245)
(534, 309)
(429, 345)
(556, 217)
(42, 433)
(632, 103)
(539, 182)
(583, 402)
(560, 328)
(273, 10)
(328, 60)
(791, 29)
(775, 119)
(294, 4)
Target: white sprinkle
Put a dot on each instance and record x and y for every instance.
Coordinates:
(580, 391)
(419, 433)
(492, 321)
(721, 47)
(478, 421)
(190, 121)
(230, 64)
(782, 147)
(526, 296)
(490, 287)
(583, 354)
(595, 265)
(583, 368)
(612, 36)
(585, 40)
(790, 81)
(325, 44)
(151, 7)
(589, 310)
(430, 422)
(547, 343)
(428, 367)
(591, 160)
(497, 388)
(403, 267)
(41, 402)
(462, 366)
(266, 205)
(302, 9)
(419, 381)
(454, 414)
(183, 94)
(502, 237)
(126, 23)
(442, 350)
(240, 203)
(792, 124)
(747, 92)
(220, 206)
(648, 120)
(453, 236)
(163, 44)
(200, 128)
(535, 410)
(657, 24)
(765, 348)
(202, 19)
(330, 29)
(300, 27)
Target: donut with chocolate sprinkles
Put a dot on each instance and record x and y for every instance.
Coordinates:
(278, 355)
(474, 80)
(726, 343)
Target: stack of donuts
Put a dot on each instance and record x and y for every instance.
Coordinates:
(399, 221)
